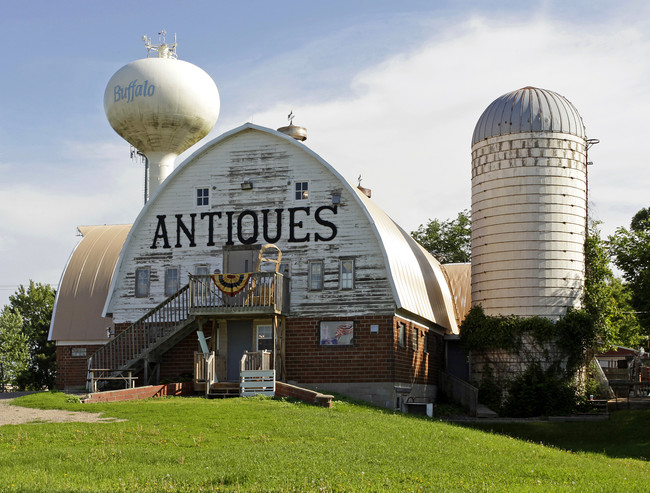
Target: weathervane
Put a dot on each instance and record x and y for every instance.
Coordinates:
(290, 117)
(162, 48)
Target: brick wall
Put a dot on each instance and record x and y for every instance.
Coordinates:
(177, 363)
(368, 359)
(286, 390)
(374, 357)
(71, 371)
(185, 388)
(421, 357)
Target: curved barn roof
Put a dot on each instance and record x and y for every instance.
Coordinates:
(415, 276)
(529, 109)
(77, 315)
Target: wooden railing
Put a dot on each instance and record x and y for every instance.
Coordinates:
(264, 291)
(156, 326)
(256, 376)
(256, 360)
(205, 370)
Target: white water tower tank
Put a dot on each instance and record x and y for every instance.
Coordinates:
(529, 205)
(161, 106)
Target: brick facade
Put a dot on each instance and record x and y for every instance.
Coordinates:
(375, 356)
(71, 371)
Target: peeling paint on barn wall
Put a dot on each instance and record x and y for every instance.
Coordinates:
(312, 229)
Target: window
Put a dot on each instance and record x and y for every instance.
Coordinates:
(414, 339)
(171, 281)
(264, 338)
(401, 335)
(301, 190)
(337, 333)
(346, 274)
(142, 282)
(315, 275)
(425, 343)
(202, 196)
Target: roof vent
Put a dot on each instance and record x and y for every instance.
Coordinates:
(298, 133)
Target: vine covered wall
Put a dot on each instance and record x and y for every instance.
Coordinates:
(528, 366)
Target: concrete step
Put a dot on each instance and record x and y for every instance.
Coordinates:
(482, 411)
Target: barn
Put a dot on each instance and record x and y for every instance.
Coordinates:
(339, 295)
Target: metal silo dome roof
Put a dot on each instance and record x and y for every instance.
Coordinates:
(529, 109)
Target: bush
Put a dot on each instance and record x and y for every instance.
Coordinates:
(539, 392)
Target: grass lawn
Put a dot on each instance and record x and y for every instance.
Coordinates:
(193, 444)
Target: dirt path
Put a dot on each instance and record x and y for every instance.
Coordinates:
(14, 415)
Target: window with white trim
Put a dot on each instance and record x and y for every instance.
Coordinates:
(346, 274)
(142, 282)
(301, 189)
(202, 196)
(172, 280)
(264, 338)
(315, 275)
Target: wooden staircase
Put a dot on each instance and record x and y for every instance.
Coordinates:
(140, 347)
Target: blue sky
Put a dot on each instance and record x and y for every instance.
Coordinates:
(389, 90)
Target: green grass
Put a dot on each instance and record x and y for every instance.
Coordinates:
(192, 444)
(625, 435)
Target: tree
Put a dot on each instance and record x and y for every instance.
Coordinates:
(35, 305)
(14, 348)
(449, 241)
(606, 298)
(631, 253)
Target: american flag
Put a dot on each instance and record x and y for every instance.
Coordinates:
(344, 330)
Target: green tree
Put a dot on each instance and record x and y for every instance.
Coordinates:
(606, 298)
(14, 348)
(35, 304)
(449, 241)
(631, 253)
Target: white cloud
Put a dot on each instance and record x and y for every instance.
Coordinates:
(406, 124)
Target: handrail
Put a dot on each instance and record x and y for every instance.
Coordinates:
(256, 360)
(459, 391)
(156, 324)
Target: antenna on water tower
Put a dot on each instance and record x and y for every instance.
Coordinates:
(162, 106)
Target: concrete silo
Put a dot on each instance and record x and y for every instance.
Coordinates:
(529, 205)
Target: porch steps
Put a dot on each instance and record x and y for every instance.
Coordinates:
(223, 389)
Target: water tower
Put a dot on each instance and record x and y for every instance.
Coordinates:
(529, 205)
(162, 106)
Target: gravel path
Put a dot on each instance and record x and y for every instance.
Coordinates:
(14, 415)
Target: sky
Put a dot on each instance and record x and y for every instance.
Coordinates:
(387, 90)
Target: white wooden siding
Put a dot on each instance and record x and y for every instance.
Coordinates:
(272, 165)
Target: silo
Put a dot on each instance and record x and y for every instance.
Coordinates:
(161, 106)
(529, 205)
